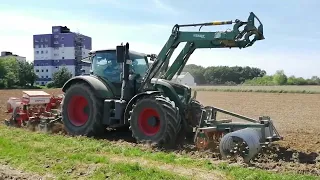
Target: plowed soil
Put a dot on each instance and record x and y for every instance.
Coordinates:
(296, 117)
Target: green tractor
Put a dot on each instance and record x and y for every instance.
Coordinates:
(123, 91)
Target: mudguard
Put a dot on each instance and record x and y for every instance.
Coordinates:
(133, 100)
(102, 89)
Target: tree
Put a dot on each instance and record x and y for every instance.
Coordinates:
(26, 74)
(60, 77)
(9, 72)
(280, 78)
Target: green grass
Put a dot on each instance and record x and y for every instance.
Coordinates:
(264, 89)
(66, 157)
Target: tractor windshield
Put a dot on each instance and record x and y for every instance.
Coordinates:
(104, 64)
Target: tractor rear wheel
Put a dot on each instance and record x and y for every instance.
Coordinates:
(155, 120)
(82, 111)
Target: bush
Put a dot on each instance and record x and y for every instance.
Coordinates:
(60, 77)
(280, 78)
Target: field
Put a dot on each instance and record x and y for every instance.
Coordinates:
(277, 89)
(296, 116)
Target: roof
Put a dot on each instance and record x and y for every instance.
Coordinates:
(134, 53)
(113, 49)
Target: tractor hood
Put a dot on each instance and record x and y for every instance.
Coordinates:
(182, 91)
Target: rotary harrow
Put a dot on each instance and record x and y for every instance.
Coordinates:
(123, 91)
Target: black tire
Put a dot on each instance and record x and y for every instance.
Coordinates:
(193, 115)
(78, 96)
(168, 124)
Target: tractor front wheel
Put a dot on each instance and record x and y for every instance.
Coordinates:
(155, 120)
(82, 111)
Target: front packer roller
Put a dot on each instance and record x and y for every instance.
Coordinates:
(234, 139)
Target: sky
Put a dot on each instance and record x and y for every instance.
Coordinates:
(290, 28)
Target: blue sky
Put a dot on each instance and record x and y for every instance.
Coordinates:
(290, 28)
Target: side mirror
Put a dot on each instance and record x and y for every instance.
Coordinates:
(120, 52)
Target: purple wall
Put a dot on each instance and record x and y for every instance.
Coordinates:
(87, 42)
(67, 39)
(46, 40)
(55, 40)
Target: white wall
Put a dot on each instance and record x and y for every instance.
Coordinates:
(85, 53)
(49, 53)
(44, 73)
(86, 69)
(19, 58)
(186, 79)
(55, 53)
(43, 53)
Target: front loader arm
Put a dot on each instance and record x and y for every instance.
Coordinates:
(219, 39)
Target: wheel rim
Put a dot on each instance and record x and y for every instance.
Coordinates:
(149, 121)
(78, 110)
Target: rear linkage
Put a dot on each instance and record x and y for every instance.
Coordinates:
(234, 139)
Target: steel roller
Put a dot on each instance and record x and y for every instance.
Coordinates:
(244, 142)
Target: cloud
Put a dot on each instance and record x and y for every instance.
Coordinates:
(148, 38)
(161, 5)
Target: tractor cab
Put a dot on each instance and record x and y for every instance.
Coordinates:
(105, 66)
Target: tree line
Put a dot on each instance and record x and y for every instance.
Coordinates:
(222, 75)
(280, 78)
(17, 74)
(226, 75)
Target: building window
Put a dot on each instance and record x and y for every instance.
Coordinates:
(46, 76)
(36, 46)
(42, 83)
(46, 51)
(55, 30)
(47, 70)
(62, 57)
(41, 52)
(37, 52)
(56, 36)
(41, 76)
(56, 42)
(42, 71)
(62, 38)
(37, 70)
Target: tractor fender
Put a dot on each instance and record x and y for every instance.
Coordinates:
(133, 100)
(102, 90)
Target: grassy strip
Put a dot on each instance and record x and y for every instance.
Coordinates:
(42, 154)
(56, 154)
(261, 89)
